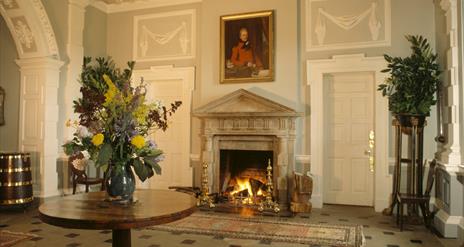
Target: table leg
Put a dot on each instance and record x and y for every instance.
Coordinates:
(121, 237)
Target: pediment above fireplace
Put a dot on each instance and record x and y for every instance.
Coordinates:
(244, 103)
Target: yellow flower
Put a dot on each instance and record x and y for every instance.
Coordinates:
(111, 92)
(138, 141)
(141, 113)
(97, 139)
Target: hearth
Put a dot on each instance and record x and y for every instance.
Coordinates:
(242, 175)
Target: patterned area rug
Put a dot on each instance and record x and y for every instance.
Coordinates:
(267, 229)
(8, 238)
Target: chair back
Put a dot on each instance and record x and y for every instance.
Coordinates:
(76, 172)
(430, 177)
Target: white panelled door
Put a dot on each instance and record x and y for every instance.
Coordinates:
(176, 169)
(349, 118)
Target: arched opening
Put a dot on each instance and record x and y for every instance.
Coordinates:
(39, 70)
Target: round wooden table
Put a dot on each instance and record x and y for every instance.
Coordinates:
(90, 211)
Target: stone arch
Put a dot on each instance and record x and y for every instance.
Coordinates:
(39, 64)
(30, 27)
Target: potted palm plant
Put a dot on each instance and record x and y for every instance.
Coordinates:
(413, 82)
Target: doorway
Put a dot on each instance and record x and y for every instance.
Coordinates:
(349, 117)
(168, 84)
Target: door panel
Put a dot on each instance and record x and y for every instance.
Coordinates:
(349, 118)
(175, 167)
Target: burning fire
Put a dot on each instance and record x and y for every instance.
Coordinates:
(243, 184)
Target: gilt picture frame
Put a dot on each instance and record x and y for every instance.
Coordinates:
(2, 107)
(247, 47)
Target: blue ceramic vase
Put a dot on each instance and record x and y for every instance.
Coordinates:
(120, 183)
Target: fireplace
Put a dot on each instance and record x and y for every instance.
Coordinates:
(242, 175)
(241, 132)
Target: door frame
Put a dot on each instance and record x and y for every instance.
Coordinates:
(187, 76)
(316, 69)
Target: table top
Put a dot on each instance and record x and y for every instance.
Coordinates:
(90, 211)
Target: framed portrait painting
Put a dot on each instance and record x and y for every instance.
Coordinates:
(247, 47)
(2, 107)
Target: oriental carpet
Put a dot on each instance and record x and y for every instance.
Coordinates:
(267, 229)
(8, 238)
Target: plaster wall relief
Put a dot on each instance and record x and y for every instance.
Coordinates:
(30, 27)
(362, 23)
(24, 34)
(9, 4)
(165, 36)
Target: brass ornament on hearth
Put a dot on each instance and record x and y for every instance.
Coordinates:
(268, 202)
(204, 198)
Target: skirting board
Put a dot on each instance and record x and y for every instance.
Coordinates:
(380, 204)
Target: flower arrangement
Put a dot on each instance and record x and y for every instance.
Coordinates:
(115, 121)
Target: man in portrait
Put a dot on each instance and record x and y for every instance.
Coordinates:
(243, 57)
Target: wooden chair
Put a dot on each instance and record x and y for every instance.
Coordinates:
(421, 200)
(80, 177)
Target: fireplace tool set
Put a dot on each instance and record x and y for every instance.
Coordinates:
(269, 203)
(204, 197)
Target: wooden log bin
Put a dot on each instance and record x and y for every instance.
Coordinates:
(15, 180)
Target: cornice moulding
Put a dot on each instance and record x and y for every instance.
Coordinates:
(138, 5)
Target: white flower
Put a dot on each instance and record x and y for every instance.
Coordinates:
(83, 132)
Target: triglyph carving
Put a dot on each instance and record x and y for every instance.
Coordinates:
(165, 38)
(24, 33)
(347, 22)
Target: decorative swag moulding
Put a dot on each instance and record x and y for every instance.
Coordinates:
(329, 27)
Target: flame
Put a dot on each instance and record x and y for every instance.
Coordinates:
(243, 184)
(259, 193)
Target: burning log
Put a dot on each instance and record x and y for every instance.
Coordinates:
(256, 186)
(243, 193)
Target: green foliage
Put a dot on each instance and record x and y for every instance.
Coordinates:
(413, 80)
(104, 156)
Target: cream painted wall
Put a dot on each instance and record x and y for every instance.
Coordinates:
(10, 81)
(285, 89)
(407, 17)
(95, 38)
